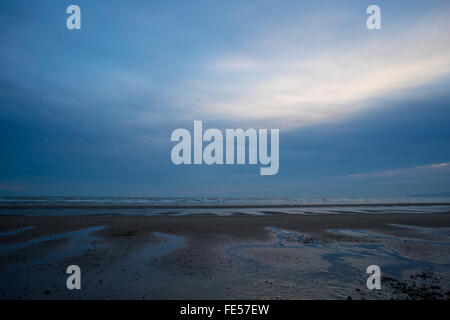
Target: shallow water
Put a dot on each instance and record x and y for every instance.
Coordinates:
(345, 261)
(15, 232)
(80, 240)
(374, 235)
(167, 244)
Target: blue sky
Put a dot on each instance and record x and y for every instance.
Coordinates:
(90, 111)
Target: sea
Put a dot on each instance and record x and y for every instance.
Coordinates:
(60, 206)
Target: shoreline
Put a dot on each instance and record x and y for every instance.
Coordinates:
(218, 206)
(272, 256)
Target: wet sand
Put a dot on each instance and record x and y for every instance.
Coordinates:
(271, 256)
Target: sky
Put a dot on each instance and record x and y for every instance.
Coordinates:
(90, 112)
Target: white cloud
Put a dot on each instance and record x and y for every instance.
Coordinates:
(425, 169)
(292, 87)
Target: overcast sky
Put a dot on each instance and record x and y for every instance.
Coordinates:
(90, 112)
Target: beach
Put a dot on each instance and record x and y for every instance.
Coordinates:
(273, 255)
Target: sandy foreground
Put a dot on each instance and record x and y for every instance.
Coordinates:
(272, 256)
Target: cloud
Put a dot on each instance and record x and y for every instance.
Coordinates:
(293, 85)
(437, 165)
(419, 170)
(248, 9)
